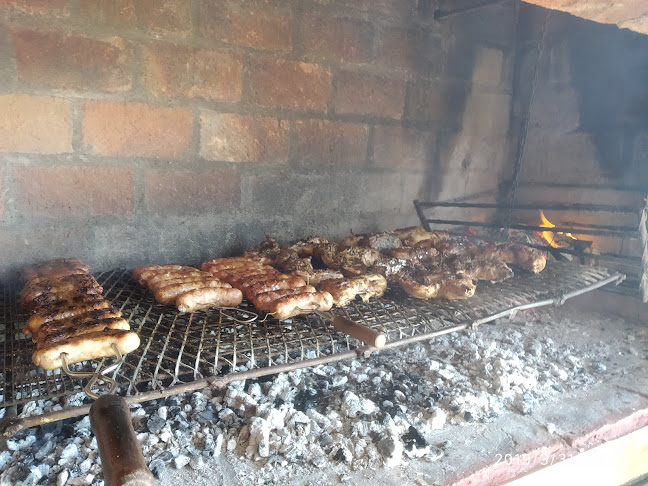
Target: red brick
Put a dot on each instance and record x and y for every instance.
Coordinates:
(116, 13)
(397, 48)
(74, 191)
(190, 73)
(57, 61)
(403, 147)
(243, 138)
(334, 38)
(165, 16)
(36, 6)
(35, 124)
(289, 84)
(251, 23)
(136, 129)
(183, 192)
(392, 8)
(366, 94)
(159, 16)
(331, 142)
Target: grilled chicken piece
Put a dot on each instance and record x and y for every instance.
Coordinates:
(377, 241)
(45, 340)
(86, 347)
(350, 261)
(530, 259)
(493, 270)
(451, 247)
(388, 267)
(306, 248)
(318, 276)
(430, 286)
(416, 253)
(414, 234)
(345, 290)
(53, 269)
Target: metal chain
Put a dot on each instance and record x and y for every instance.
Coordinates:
(520, 154)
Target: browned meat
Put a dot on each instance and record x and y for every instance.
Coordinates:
(493, 270)
(168, 295)
(86, 347)
(45, 340)
(377, 241)
(345, 290)
(270, 285)
(416, 253)
(65, 309)
(52, 290)
(53, 269)
(202, 298)
(439, 285)
(318, 276)
(293, 305)
(306, 248)
(264, 301)
(350, 261)
(414, 234)
(388, 267)
(77, 321)
(142, 273)
(530, 259)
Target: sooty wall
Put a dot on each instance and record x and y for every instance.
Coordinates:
(172, 131)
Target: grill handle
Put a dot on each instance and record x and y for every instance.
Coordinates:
(121, 457)
(358, 331)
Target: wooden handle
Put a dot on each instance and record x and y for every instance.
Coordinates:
(358, 331)
(121, 457)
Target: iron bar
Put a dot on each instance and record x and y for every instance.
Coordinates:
(610, 231)
(535, 206)
(566, 185)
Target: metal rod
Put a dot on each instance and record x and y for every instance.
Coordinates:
(535, 206)
(566, 185)
(439, 14)
(617, 231)
(519, 156)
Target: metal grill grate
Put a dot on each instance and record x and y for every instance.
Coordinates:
(183, 352)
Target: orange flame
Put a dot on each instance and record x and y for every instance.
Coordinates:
(549, 236)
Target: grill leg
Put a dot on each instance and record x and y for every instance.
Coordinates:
(121, 457)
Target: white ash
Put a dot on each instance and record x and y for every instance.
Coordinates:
(365, 413)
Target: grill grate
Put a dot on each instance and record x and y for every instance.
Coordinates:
(182, 352)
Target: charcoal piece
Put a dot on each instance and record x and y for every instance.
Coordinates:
(413, 438)
(155, 424)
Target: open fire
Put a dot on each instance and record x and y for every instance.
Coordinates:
(556, 239)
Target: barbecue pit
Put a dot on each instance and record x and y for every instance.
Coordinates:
(182, 130)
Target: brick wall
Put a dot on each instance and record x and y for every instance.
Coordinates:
(137, 131)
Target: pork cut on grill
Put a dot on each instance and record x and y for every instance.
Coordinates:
(70, 316)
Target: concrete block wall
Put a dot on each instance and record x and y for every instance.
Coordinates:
(135, 131)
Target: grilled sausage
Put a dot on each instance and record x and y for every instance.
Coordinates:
(161, 277)
(168, 295)
(265, 300)
(174, 281)
(205, 297)
(270, 285)
(86, 347)
(139, 272)
(293, 305)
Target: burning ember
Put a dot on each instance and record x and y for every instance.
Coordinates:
(557, 239)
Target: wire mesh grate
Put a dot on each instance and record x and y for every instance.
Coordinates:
(179, 348)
